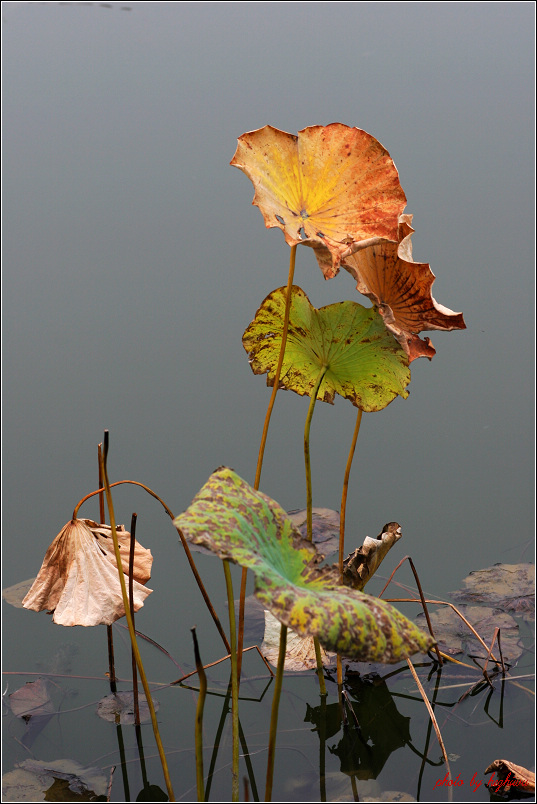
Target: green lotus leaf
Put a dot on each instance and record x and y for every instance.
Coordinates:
(363, 361)
(238, 523)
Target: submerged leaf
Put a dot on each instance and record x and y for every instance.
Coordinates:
(245, 526)
(119, 708)
(78, 579)
(32, 700)
(32, 778)
(364, 362)
(14, 595)
(325, 527)
(510, 587)
(455, 637)
(402, 290)
(327, 187)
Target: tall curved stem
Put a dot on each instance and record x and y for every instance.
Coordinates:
(234, 686)
(292, 262)
(130, 624)
(342, 514)
(309, 505)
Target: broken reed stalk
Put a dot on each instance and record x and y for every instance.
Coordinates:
(274, 713)
(422, 598)
(495, 638)
(199, 718)
(131, 604)
(109, 634)
(285, 329)
(130, 624)
(342, 514)
(184, 542)
(223, 659)
(234, 685)
(309, 505)
(434, 722)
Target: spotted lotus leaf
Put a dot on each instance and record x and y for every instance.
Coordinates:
(364, 362)
(328, 187)
(245, 526)
(401, 289)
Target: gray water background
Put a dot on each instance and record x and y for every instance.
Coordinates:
(133, 261)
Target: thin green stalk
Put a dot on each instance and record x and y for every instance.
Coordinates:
(309, 504)
(307, 461)
(184, 542)
(217, 739)
(342, 514)
(234, 685)
(274, 713)
(199, 718)
(285, 329)
(132, 633)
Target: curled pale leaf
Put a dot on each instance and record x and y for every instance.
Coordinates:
(243, 525)
(401, 289)
(363, 362)
(78, 579)
(299, 651)
(327, 187)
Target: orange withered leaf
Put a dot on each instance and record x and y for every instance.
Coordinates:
(401, 289)
(78, 579)
(329, 187)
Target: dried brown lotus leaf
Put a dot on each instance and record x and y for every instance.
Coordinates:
(78, 579)
(511, 777)
(327, 187)
(401, 289)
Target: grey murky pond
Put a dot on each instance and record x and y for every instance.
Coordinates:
(133, 261)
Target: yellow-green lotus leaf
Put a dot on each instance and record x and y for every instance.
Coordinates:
(328, 187)
(243, 525)
(364, 362)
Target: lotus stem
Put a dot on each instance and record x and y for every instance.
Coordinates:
(276, 383)
(313, 399)
(274, 713)
(285, 329)
(130, 624)
(309, 509)
(184, 542)
(199, 718)
(234, 685)
(342, 514)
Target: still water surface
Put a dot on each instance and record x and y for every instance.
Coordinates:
(133, 261)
